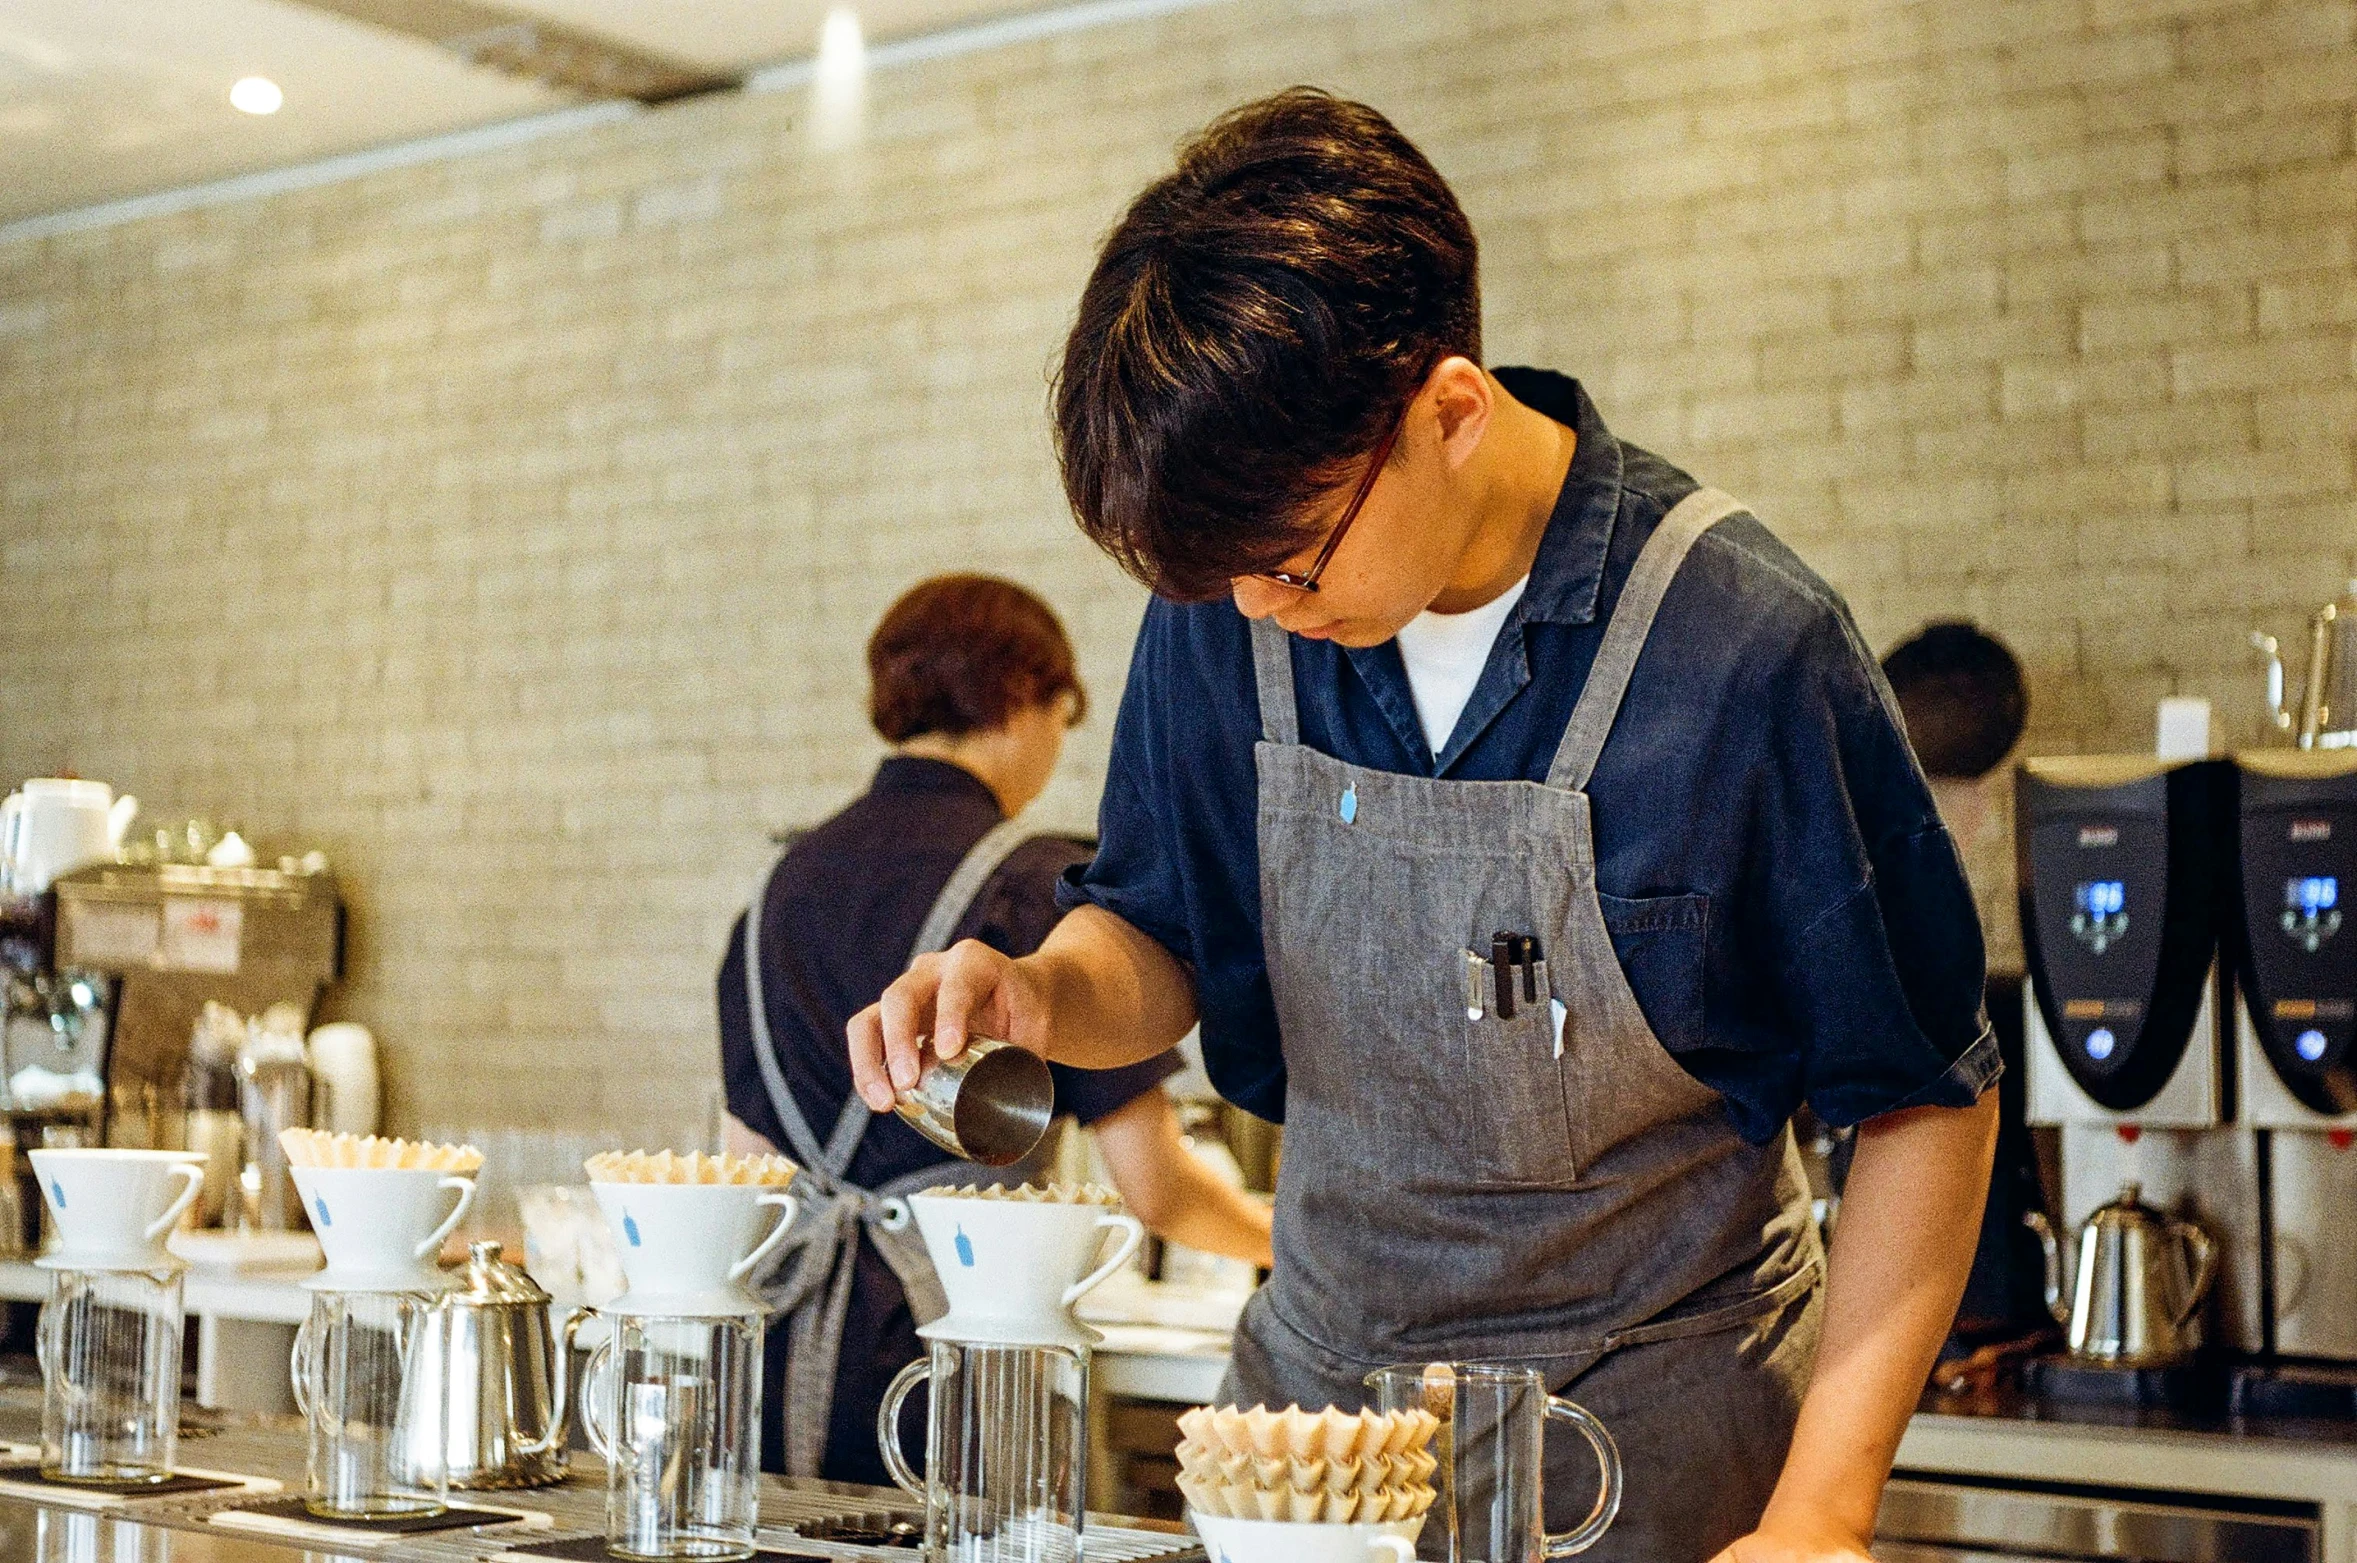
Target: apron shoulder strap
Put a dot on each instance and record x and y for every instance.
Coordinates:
(1272, 669)
(1624, 635)
(800, 1140)
(965, 883)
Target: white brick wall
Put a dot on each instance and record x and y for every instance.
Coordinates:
(511, 526)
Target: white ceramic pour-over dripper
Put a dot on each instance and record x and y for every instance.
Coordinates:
(687, 1247)
(381, 1228)
(114, 1208)
(1284, 1541)
(1012, 1269)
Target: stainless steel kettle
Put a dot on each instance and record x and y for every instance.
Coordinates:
(2139, 1278)
(504, 1374)
(2327, 716)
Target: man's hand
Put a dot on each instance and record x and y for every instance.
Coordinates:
(1107, 995)
(943, 998)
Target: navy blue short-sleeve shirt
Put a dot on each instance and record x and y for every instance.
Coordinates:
(1758, 763)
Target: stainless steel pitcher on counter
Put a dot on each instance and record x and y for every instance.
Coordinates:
(2327, 714)
(505, 1375)
(2139, 1279)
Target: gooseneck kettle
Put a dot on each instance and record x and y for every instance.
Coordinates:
(2327, 714)
(2140, 1277)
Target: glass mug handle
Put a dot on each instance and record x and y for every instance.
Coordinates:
(299, 1365)
(888, 1425)
(1586, 1533)
(599, 1438)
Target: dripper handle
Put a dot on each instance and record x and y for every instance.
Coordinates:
(431, 1244)
(1133, 1232)
(192, 1178)
(888, 1425)
(777, 1234)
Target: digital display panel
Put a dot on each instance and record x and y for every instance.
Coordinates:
(2102, 897)
(2309, 896)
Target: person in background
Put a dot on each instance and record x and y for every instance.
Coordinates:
(1964, 703)
(972, 680)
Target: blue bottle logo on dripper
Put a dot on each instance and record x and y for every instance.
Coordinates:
(965, 1248)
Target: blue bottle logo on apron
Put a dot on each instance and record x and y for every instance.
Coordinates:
(319, 1203)
(630, 1228)
(1349, 806)
(965, 1248)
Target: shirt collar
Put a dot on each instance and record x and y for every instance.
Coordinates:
(906, 773)
(1568, 573)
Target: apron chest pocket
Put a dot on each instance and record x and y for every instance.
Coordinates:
(1659, 941)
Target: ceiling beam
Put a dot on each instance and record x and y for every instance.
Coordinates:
(535, 48)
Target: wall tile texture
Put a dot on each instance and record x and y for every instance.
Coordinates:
(510, 526)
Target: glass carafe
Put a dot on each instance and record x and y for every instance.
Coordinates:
(672, 1404)
(350, 1365)
(1006, 1451)
(1491, 1446)
(109, 1344)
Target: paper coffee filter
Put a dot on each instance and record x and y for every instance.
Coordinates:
(318, 1148)
(1374, 1473)
(695, 1167)
(1293, 1433)
(1243, 1501)
(1036, 1193)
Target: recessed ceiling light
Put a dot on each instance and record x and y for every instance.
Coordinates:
(255, 95)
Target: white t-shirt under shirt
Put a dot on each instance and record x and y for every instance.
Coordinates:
(1445, 653)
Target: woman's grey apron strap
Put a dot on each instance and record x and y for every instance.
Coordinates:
(1625, 634)
(800, 1140)
(949, 907)
(810, 1293)
(1272, 673)
(808, 1284)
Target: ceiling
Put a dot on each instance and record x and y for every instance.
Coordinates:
(104, 99)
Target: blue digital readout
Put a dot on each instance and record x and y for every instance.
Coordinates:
(2310, 1045)
(2101, 897)
(2308, 896)
(2100, 1043)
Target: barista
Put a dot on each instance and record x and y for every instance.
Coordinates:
(1446, 687)
(972, 680)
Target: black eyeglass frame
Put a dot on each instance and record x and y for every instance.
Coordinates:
(1307, 581)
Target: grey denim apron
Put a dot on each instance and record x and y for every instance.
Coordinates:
(1457, 1188)
(807, 1284)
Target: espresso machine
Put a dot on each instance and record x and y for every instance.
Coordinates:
(163, 947)
(2296, 1028)
(2126, 872)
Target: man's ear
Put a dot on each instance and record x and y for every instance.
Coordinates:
(1462, 400)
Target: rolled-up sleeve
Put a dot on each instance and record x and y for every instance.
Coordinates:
(1861, 910)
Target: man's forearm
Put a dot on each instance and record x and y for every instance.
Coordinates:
(1910, 1216)
(1114, 995)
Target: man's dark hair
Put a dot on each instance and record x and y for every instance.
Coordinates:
(961, 653)
(1961, 693)
(1256, 321)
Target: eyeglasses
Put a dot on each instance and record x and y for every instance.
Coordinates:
(1307, 581)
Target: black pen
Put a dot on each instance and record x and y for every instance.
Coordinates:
(1501, 950)
(1530, 968)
